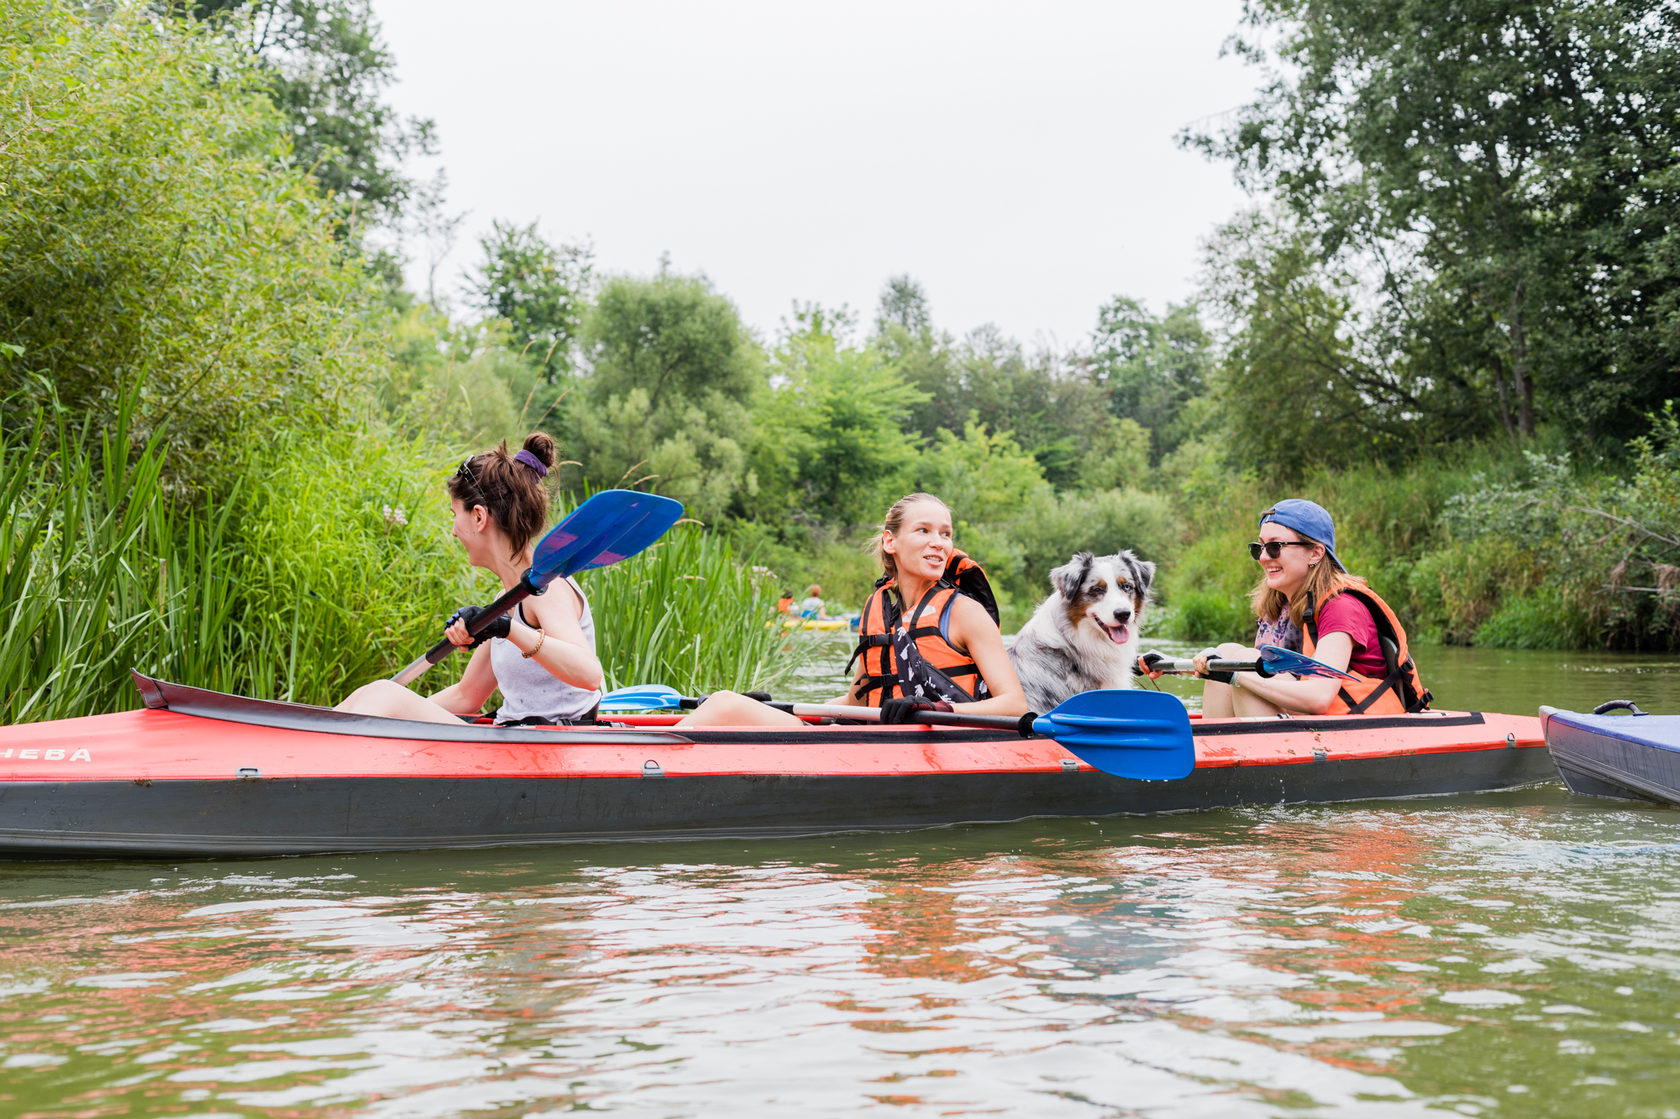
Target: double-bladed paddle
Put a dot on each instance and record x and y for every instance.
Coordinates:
(1126, 733)
(1273, 660)
(612, 525)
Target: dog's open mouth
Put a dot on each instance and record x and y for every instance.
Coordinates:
(1116, 634)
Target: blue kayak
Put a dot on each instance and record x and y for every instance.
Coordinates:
(1616, 750)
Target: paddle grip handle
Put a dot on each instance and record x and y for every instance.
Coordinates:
(503, 602)
(1214, 664)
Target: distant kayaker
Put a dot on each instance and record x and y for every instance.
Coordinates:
(541, 654)
(812, 605)
(1306, 601)
(929, 637)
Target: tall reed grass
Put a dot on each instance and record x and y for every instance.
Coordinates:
(688, 613)
(77, 539)
(329, 563)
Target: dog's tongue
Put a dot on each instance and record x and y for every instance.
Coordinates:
(1116, 634)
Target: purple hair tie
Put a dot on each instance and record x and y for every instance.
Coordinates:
(532, 461)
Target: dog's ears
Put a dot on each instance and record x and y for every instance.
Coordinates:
(1068, 578)
(1146, 573)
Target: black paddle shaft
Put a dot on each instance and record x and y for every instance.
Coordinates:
(503, 602)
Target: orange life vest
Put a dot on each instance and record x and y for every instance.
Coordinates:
(943, 669)
(1401, 689)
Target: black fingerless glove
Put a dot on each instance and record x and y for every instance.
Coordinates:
(1221, 677)
(501, 627)
(902, 710)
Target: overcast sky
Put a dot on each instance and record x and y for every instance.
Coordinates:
(1016, 159)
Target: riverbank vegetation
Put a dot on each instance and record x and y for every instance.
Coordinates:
(225, 425)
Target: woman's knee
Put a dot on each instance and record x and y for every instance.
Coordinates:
(732, 709)
(381, 697)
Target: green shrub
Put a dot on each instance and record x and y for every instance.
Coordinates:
(346, 566)
(1207, 616)
(1547, 617)
(1454, 590)
(155, 237)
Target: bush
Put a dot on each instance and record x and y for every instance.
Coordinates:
(1053, 527)
(155, 237)
(1207, 616)
(1547, 617)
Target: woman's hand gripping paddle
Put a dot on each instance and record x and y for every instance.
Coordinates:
(1273, 660)
(1125, 733)
(612, 525)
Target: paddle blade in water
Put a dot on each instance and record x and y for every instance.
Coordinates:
(1125, 732)
(612, 525)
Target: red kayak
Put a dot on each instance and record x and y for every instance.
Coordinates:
(202, 773)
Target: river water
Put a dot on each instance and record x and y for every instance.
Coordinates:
(1515, 954)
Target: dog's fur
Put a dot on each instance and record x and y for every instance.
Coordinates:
(1085, 635)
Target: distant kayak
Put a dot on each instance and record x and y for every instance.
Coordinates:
(795, 622)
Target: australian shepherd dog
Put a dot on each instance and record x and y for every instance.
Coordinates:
(1085, 635)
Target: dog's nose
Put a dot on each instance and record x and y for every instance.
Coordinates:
(1121, 617)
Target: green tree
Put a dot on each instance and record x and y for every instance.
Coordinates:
(539, 288)
(1151, 367)
(1508, 171)
(985, 477)
(153, 236)
(672, 382)
(833, 443)
(905, 337)
(1293, 388)
(327, 70)
(1055, 410)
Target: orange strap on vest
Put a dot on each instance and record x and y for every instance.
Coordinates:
(1401, 690)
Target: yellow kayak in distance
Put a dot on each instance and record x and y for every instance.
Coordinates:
(796, 622)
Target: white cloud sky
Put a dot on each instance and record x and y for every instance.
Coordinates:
(1017, 159)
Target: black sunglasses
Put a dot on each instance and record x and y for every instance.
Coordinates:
(1273, 548)
(464, 471)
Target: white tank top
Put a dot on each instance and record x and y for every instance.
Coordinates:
(529, 689)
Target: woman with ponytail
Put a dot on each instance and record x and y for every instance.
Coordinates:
(541, 654)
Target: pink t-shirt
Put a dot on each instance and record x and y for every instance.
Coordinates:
(1346, 614)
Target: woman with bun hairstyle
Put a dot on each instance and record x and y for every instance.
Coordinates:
(1306, 601)
(541, 654)
(928, 638)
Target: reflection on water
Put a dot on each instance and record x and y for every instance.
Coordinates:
(1515, 954)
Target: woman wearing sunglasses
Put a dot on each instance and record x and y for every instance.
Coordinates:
(1306, 601)
(541, 654)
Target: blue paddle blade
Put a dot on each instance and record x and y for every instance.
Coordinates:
(644, 697)
(611, 526)
(1125, 732)
(1277, 659)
